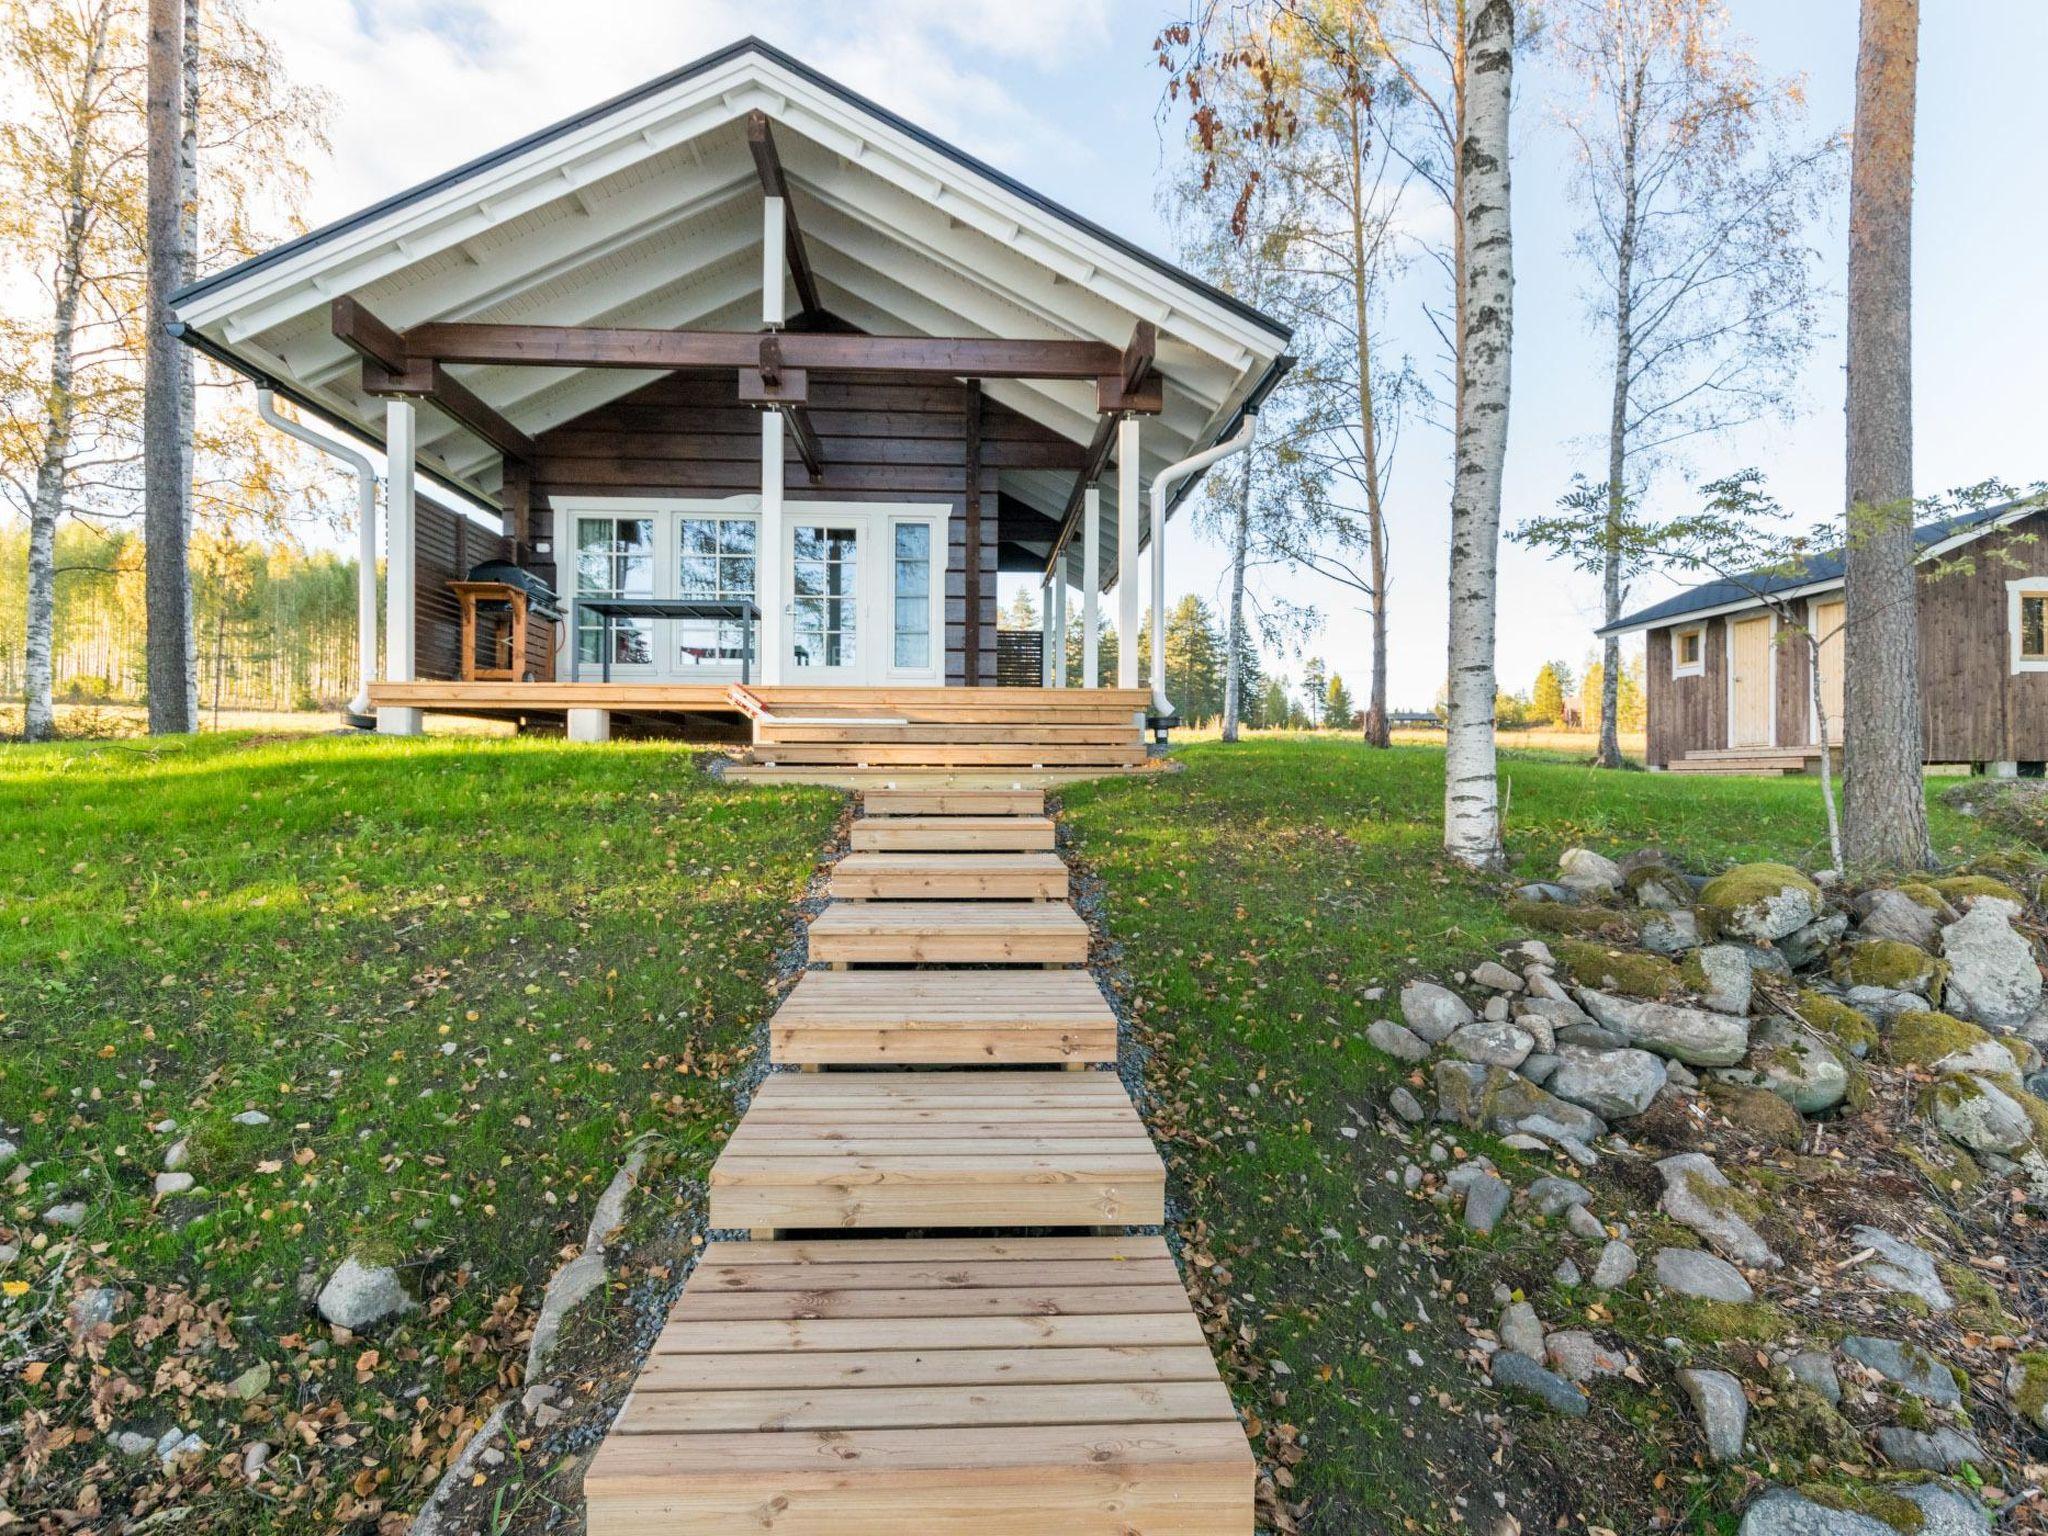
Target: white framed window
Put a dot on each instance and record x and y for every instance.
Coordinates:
(615, 557)
(714, 559)
(1689, 651)
(2027, 620)
(913, 596)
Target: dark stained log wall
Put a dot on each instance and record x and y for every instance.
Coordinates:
(1685, 714)
(883, 440)
(448, 545)
(1795, 691)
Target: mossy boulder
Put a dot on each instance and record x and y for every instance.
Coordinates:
(2026, 1383)
(1849, 1029)
(1758, 1113)
(1656, 884)
(1759, 902)
(1960, 890)
(1556, 917)
(1983, 1115)
(1804, 1070)
(1879, 1501)
(1892, 965)
(1627, 971)
(1934, 1041)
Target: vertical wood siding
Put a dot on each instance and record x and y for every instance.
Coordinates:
(1684, 714)
(448, 544)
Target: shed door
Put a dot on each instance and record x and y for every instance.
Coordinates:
(1827, 630)
(1749, 683)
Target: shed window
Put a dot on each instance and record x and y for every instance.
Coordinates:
(1689, 651)
(2027, 616)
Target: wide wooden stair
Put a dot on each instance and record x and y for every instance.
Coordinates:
(825, 732)
(1003, 1361)
(1754, 762)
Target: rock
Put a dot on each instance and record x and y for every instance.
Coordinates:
(1696, 1036)
(1550, 1013)
(1814, 1369)
(1593, 1037)
(1659, 887)
(1399, 1043)
(1698, 1195)
(1494, 975)
(1588, 873)
(177, 1155)
(1532, 952)
(1718, 1399)
(1978, 1113)
(1937, 1450)
(1551, 1194)
(1948, 1511)
(1495, 1009)
(1892, 914)
(1577, 1356)
(252, 1117)
(1546, 988)
(1885, 1003)
(255, 1458)
(1433, 1011)
(1515, 1372)
(1832, 1017)
(1906, 1365)
(1486, 1201)
(358, 1294)
(1407, 1106)
(252, 1383)
(1943, 1512)
(173, 1183)
(132, 1443)
(1567, 1273)
(1807, 945)
(1800, 1069)
(1613, 1084)
(1759, 902)
(1889, 964)
(1494, 1099)
(2026, 1383)
(1617, 1265)
(1491, 1044)
(1758, 1113)
(1899, 1266)
(175, 1444)
(70, 1214)
(95, 1307)
(1670, 933)
(1521, 1330)
(8, 1151)
(1691, 1272)
(1539, 1066)
(1723, 977)
(1580, 1221)
(9, 1252)
(1543, 890)
(1993, 977)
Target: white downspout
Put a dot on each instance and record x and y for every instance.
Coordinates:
(1162, 486)
(366, 556)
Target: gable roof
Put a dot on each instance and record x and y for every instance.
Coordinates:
(1822, 573)
(645, 211)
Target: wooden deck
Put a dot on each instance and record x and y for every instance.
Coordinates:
(964, 1386)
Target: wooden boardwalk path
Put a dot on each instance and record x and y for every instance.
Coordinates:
(825, 1380)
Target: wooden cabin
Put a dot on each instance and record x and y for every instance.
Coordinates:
(1727, 681)
(742, 336)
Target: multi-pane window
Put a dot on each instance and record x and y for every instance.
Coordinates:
(615, 558)
(714, 559)
(1689, 652)
(2034, 626)
(913, 595)
(825, 611)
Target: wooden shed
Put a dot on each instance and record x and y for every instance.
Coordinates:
(1728, 687)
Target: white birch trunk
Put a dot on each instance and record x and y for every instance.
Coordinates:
(1240, 551)
(188, 271)
(168, 579)
(1472, 833)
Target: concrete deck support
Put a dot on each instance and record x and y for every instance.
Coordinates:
(590, 725)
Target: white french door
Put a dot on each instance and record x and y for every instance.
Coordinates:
(866, 597)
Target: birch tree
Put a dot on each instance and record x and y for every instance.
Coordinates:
(1697, 187)
(167, 527)
(1485, 333)
(1886, 799)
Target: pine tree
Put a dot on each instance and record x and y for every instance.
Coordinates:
(1194, 661)
(1022, 612)
(1546, 698)
(1315, 687)
(1276, 708)
(1338, 711)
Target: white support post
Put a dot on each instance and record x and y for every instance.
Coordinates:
(774, 236)
(1045, 644)
(1059, 626)
(769, 579)
(1091, 586)
(1130, 512)
(590, 725)
(401, 539)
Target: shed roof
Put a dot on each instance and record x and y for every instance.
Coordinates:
(1821, 572)
(644, 211)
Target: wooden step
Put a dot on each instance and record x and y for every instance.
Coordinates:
(953, 802)
(943, 1018)
(856, 778)
(938, 1149)
(1055, 733)
(953, 834)
(944, 755)
(949, 933)
(943, 1387)
(949, 877)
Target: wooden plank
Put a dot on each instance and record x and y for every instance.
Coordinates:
(949, 877)
(943, 1018)
(838, 1333)
(948, 755)
(908, 1273)
(768, 165)
(936, 1250)
(953, 834)
(924, 1368)
(925, 1406)
(953, 802)
(969, 733)
(950, 933)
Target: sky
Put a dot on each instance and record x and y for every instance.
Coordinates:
(1064, 95)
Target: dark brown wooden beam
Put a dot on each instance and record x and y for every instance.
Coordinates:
(761, 140)
(1139, 355)
(792, 386)
(433, 383)
(1135, 386)
(801, 433)
(970, 663)
(366, 335)
(564, 346)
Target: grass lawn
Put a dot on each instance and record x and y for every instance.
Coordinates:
(1258, 897)
(456, 977)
